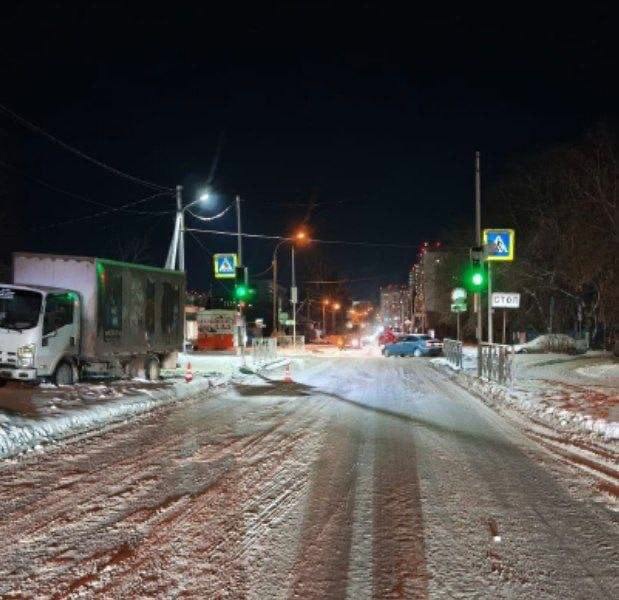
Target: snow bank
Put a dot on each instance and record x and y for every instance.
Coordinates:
(606, 372)
(21, 433)
(541, 400)
(59, 412)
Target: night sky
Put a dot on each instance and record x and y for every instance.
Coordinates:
(359, 120)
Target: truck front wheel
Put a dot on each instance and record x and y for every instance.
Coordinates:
(64, 374)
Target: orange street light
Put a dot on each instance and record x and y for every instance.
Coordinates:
(335, 307)
(301, 237)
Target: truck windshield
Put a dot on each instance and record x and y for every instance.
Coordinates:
(19, 309)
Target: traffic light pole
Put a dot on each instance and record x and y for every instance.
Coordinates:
(477, 297)
(490, 332)
(239, 238)
(293, 294)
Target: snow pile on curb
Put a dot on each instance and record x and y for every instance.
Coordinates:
(21, 433)
(531, 403)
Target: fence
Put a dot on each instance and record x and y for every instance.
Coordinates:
(452, 349)
(263, 350)
(496, 363)
(288, 341)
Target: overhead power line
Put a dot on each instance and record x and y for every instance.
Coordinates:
(36, 129)
(80, 197)
(311, 240)
(212, 218)
(101, 213)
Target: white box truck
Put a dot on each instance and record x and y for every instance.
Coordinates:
(65, 318)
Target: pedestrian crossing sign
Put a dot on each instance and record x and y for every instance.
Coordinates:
(224, 265)
(499, 244)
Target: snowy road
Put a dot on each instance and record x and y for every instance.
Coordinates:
(366, 478)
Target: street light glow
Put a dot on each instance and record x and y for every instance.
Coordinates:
(204, 197)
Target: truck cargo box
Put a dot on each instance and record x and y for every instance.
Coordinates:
(127, 309)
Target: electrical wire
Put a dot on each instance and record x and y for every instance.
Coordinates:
(311, 240)
(58, 190)
(100, 214)
(217, 216)
(36, 129)
(197, 239)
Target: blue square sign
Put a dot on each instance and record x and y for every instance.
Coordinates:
(499, 244)
(224, 265)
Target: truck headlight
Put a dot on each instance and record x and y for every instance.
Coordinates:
(25, 355)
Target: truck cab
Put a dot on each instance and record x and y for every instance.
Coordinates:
(39, 333)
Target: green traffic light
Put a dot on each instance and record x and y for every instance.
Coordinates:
(240, 292)
(475, 278)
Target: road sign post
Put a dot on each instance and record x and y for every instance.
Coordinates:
(505, 301)
(458, 306)
(499, 244)
(224, 265)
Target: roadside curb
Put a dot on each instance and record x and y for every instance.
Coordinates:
(22, 434)
(501, 397)
(578, 445)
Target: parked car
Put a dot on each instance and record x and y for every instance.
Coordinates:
(414, 345)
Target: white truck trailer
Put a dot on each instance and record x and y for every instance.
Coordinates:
(65, 318)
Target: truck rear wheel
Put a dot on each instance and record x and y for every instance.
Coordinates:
(64, 374)
(152, 369)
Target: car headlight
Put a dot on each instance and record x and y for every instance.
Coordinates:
(25, 355)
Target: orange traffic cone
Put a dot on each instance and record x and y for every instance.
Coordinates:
(287, 376)
(188, 373)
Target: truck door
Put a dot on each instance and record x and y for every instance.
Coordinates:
(60, 331)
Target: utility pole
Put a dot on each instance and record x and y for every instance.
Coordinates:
(274, 332)
(239, 236)
(239, 250)
(293, 299)
(324, 319)
(177, 247)
(477, 296)
(490, 328)
(181, 238)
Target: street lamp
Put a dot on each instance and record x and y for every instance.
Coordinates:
(299, 237)
(334, 309)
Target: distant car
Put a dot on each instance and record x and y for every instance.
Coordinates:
(414, 345)
(348, 341)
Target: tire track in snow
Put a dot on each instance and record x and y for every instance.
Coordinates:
(399, 553)
(321, 566)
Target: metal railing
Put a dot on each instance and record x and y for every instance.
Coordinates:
(263, 350)
(452, 349)
(289, 341)
(495, 362)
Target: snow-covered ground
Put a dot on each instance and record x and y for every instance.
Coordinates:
(570, 392)
(31, 417)
(365, 478)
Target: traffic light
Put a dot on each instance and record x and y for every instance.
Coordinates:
(241, 291)
(475, 279)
